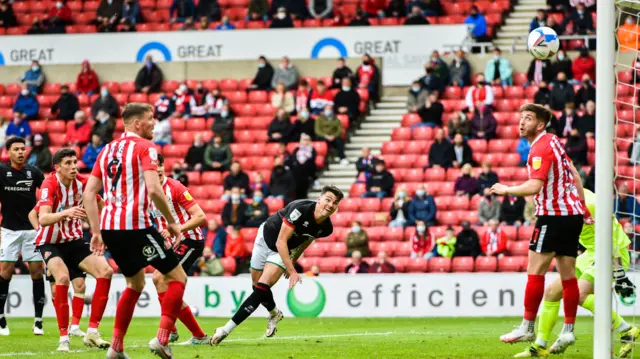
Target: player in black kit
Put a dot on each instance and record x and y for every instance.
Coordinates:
(18, 184)
(280, 241)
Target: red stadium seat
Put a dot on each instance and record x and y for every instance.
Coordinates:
(402, 249)
(462, 264)
(401, 134)
(525, 233)
(439, 264)
(511, 264)
(518, 248)
(370, 205)
(337, 249)
(393, 234)
(460, 203)
(478, 146)
(316, 249)
(56, 126)
(416, 265)
(486, 264)
(434, 174)
(423, 133)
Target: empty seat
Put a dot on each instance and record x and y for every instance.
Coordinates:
(518, 248)
(416, 265)
(439, 264)
(462, 264)
(486, 264)
(511, 264)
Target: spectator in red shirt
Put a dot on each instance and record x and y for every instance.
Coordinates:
(374, 8)
(368, 76)
(494, 241)
(78, 130)
(320, 98)
(584, 64)
(235, 246)
(381, 265)
(61, 12)
(87, 81)
(422, 243)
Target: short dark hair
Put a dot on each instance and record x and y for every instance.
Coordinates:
(333, 189)
(542, 113)
(160, 160)
(13, 140)
(62, 153)
(303, 82)
(321, 83)
(135, 109)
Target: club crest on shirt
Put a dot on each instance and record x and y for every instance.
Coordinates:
(295, 215)
(28, 174)
(536, 162)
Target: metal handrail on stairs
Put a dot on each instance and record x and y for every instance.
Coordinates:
(586, 39)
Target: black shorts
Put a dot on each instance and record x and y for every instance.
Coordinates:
(71, 253)
(133, 250)
(189, 252)
(559, 234)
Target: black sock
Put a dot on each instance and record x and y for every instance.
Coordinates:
(38, 300)
(249, 305)
(268, 301)
(4, 291)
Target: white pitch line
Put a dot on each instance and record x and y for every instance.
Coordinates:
(298, 337)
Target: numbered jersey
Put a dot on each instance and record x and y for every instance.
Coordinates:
(180, 201)
(55, 195)
(120, 167)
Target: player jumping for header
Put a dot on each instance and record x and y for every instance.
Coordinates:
(560, 209)
(280, 241)
(188, 213)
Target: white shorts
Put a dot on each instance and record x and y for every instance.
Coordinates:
(263, 254)
(12, 243)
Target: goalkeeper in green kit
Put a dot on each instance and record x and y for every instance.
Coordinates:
(585, 272)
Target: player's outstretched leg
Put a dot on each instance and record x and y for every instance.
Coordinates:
(98, 268)
(261, 294)
(77, 306)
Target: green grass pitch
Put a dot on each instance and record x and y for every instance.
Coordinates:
(310, 338)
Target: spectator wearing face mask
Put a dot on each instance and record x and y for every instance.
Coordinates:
(399, 211)
(422, 243)
(562, 64)
(149, 78)
(328, 128)
(91, 152)
(282, 184)
(223, 125)
(584, 64)
(582, 21)
(539, 71)
(234, 212)
(562, 93)
(498, 70)
(342, 71)
(368, 77)
(18, 127)
(543, 95)
(628, 33)
(217, 156)
(479, 94)
(225, 24)
(185, 103)
(104, 126)
(430, 81)
(107, 103)
(417, 97)
(357, 240)
(303, 124)
(489, 208)
(494, 241)
(257, 211)
(280, 128)
(586, 93)
(380, 183)
(466, 185)
(422, 207)
(34, 78)
(479, 24)
(109, 10)
(264, 75)
(281, 20)
(60, 13)
(460, 70)
(195, 155)
(87, 81)
(484, 124)
(347, 101)
(512, 210)
(26, 104)
(259, 184)
(214, 102)
(66, 105)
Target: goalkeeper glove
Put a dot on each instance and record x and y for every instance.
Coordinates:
(624, 287)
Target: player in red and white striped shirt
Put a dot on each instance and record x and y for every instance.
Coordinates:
(190, 216)
(59, 240)
(127, 170)
(560, 209)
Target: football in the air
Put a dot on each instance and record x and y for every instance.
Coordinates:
(543, 43)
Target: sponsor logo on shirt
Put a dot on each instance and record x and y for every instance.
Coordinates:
(187, 195)
(536, 163)
(26, 183)
(44, 195)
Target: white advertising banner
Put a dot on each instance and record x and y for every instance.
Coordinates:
(400, 295)
(404, 49)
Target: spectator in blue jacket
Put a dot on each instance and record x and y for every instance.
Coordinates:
(499, 71)
(181, 10)
(539, 20)
(523, 150)
(26, 104)
(91, 153)
(18, 127)
(626, 206)
(422, 207)
(130, 12)
(34, 78)
(479, 30)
